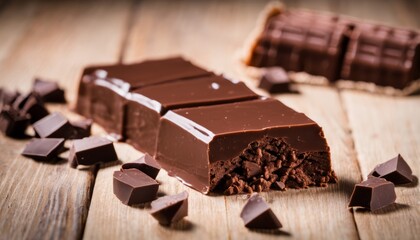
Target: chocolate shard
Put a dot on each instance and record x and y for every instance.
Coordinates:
(275, 80)
(32, 105)
(206, 146)
(82, 128)
(395, 170)
(44, 149)
(373, 194)
(258, 215)
(131, 186)
(7, 97)
(170, 209)
(49, 91)
(92, 150)
(12, 122)
(251, 169)
(146, 164)
(54, 125)
(279, 186)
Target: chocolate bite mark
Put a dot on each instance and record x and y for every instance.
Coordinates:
(131, 186)
(373, 194)
(54, 125)
(147, 164)
(275, 80)
(92, 150)
(268, 161)
(12, 122)
(170, 209)
(257, 214)
(44, 149)
(49, 91)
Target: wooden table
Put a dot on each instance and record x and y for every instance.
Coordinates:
(56, 40)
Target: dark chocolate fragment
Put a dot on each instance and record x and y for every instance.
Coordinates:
(31, 104)
(275, 80)
(373, 194)
(146, 164)
(54, 125)
(92, 150)
(7, 97)
(258, 215)
(170, 209)
(206, 147)
(148, 104)
(395, 170)
(132, 186)
(279, 186)
(44, 149)
(82, 128)
(12, 122)
(49, 91)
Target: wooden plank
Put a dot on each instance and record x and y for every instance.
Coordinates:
(42, 200)
(209, 33)
(382, 127)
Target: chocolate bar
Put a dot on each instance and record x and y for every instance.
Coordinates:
(102, 89)
(208, 147)
(146, 105)
(339, 48)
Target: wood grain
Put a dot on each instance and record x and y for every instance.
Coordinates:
(39, 200)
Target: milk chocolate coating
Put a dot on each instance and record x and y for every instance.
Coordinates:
(102, 89)
(147, 105)
(204, 147)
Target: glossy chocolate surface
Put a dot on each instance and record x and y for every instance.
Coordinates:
(43, 149)
(395, 170)
(147, 164)
(148, 104)
(192, 141)
(54, 125)
(92, 150)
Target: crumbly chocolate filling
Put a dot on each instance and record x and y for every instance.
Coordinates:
(265, 163)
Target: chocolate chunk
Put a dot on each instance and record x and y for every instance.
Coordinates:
(146, 164)
(275, 80)
(31, 104)
(44, 149)
(279, 186)
(82, 128)
(148, 104)
(12, 122)
(206, 146)
(373, 194)
(395, 170)
(49, 91)
(103, 88)
(7, 97)
(251, 169)
(132, 186)
(54, 125)
(170, 209)
(257, 214)
(92, 150)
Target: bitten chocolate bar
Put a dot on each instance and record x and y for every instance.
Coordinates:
(361, 55)
(214, 134)
(211, 148)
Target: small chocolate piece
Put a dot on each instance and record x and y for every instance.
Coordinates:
(146, 164)
(395, 170)
(170, 209)
(278, 186)
(7, 97)
(132, 186)
(92, 150)
(49, 91)
(44, 149)
(12, 122)
(54, 125)
(275, 80)
(31, 104)
(373, 194)
(257, 214)
(82, 128)
(251, 169)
